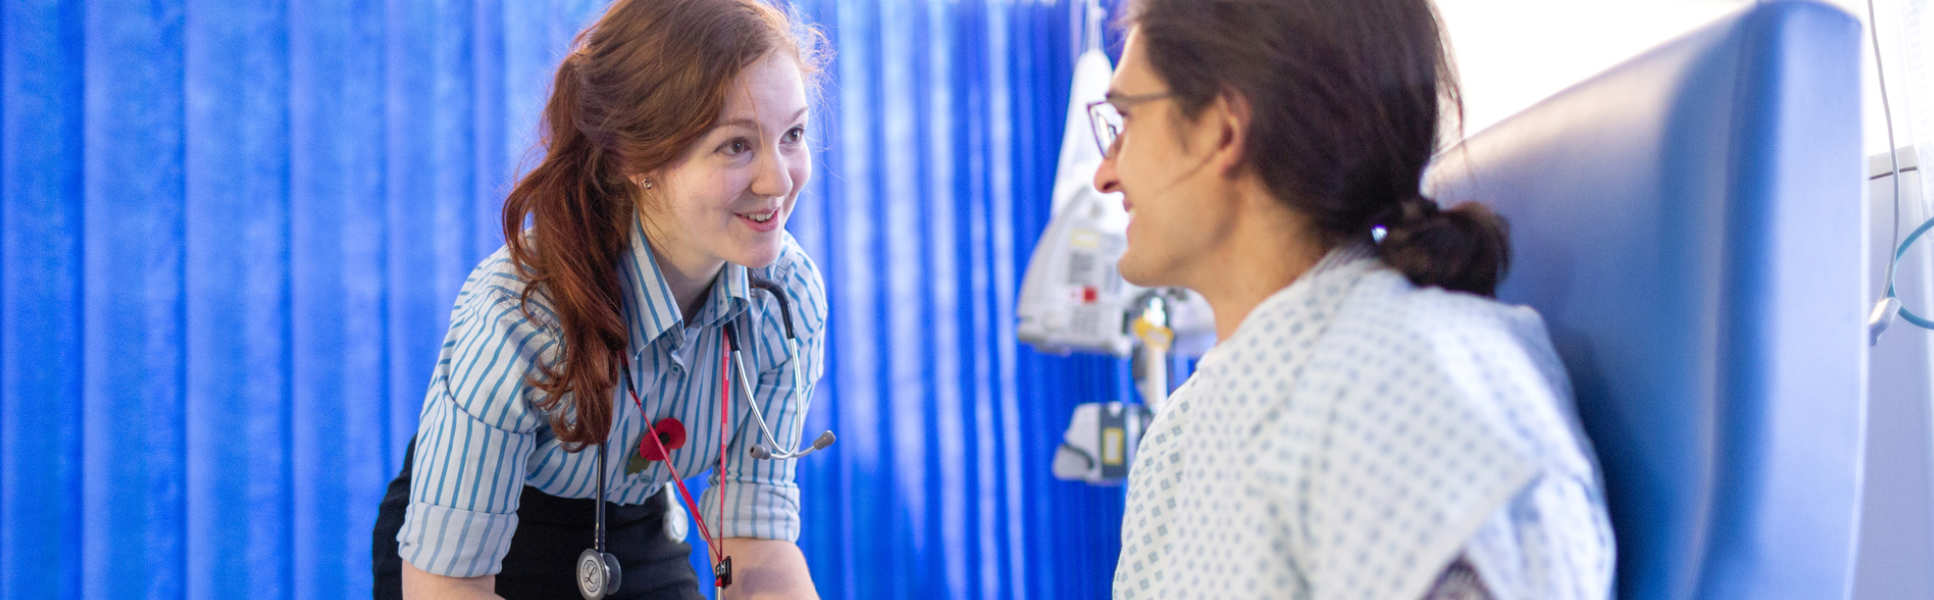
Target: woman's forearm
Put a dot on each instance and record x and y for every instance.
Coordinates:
(767, 569)
(422, 585)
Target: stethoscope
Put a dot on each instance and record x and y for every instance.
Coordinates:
(598, 572)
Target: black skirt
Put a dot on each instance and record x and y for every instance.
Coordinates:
(551, 531)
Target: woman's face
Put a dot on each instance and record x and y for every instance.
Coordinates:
(1178, 218)
(726, 198)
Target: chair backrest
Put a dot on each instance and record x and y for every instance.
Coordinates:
(1689, 223)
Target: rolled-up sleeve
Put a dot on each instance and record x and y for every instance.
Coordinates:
(761, 499)
(477, 433)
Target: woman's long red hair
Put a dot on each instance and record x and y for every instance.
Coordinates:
(641, 85)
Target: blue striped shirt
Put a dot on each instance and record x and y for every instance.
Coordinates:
(482, 439)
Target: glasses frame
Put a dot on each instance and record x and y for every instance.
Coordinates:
(1108, 133)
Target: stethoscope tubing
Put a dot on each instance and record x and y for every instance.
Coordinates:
(745, 387)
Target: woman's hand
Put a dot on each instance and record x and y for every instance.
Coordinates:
(767, 569)
(421, 585)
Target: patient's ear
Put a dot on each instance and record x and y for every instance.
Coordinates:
(1231, 116)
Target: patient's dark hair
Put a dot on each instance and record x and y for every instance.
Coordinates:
(1345, 99)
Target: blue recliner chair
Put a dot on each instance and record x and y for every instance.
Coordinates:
(1690, 226)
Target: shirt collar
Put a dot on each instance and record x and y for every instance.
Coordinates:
(730, 295)
(651, 309)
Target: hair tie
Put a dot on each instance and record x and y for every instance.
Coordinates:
(1411, 209)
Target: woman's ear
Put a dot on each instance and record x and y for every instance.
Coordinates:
(1232, 116)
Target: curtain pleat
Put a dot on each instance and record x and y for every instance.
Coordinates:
(41, 296)
(232, 234)
(134, 351)
(235, 239)
(339, 439)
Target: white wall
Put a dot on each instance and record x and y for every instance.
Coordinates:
(1513, 53)
(1897, 504)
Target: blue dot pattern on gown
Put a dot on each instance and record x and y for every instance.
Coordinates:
(1357, 435)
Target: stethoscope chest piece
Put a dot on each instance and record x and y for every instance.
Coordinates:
(598, 574)
(675, 525)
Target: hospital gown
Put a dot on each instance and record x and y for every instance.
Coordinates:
(1357, 437)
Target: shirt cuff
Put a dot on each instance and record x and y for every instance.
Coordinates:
(764, 511)
(454, 543)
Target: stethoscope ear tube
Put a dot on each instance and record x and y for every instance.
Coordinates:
(825, 438)
(779, 295)
(745, 386)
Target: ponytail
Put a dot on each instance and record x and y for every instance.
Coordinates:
(578, 216)
(1466, 248)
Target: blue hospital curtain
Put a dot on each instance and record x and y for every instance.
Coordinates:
(233, 230)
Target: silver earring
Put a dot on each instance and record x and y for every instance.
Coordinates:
(648, 184)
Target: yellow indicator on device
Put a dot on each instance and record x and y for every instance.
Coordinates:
(1157, 337)
(1111, 446)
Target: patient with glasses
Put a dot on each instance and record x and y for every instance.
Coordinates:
(1371, 422)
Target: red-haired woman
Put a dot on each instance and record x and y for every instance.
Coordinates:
(676, 148)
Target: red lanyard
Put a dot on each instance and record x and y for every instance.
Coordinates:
(721, 564)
